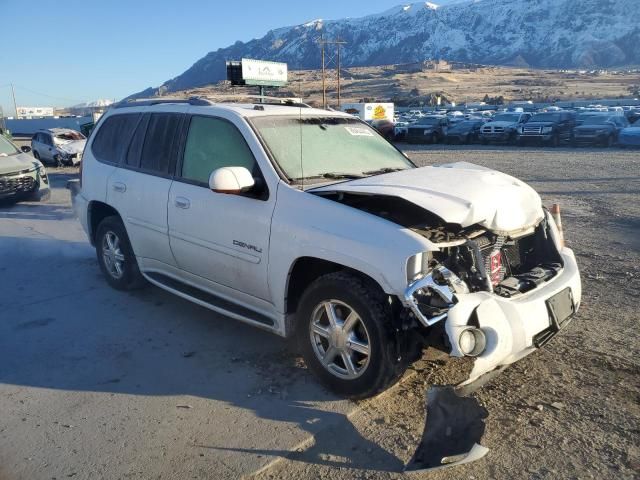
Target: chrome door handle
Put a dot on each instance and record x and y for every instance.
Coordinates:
(119, 187)
(182, 202)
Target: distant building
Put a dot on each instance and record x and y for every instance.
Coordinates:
(34, 112)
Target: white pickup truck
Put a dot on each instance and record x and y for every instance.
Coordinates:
(306, 222)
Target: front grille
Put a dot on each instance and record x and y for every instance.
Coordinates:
(532, 130)
(11, 185)
(498, 129)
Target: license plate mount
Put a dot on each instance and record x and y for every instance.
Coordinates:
(561, 308)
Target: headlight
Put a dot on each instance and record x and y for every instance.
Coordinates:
(418, 266)
(520, 130)
(547, 129)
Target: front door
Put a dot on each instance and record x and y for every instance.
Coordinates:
(223, 238)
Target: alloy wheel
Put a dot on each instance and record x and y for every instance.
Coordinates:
(340, 339)
(112, 255)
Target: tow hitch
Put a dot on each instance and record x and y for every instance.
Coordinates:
(453, 430)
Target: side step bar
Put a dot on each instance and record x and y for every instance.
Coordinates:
(208, 300)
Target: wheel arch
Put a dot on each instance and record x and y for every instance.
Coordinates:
(96, 212)
(305, 270)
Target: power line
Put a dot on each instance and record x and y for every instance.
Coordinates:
(47, 95)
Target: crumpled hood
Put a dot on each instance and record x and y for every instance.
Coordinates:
(17, 163)
(75, 146)
(460, 193)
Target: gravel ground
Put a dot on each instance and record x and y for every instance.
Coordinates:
(569, 411)
(101, 409)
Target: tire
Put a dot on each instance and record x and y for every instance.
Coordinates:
(609, 142)
(129, 277)
(346, 294)
(555, 141)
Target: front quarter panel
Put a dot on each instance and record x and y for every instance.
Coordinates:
(306, 225)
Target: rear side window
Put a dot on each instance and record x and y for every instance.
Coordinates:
(135, 149)
(112, 138)
(214, 143)
(159, 150)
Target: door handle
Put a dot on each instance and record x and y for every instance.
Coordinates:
(182, 202)
(119, 187)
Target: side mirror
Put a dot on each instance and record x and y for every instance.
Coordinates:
(231, 180)
(25, 148)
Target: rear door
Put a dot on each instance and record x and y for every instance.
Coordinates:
(139, 187)
(220, 237)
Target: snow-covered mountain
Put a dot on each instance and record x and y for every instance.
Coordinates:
(538, 33)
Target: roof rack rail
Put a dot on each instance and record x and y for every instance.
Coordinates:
(202, 101)
(147, 102)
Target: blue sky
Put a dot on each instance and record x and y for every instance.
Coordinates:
(62, 53)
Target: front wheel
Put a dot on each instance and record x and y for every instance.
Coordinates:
(344, 333)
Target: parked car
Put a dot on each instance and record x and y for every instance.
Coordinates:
(549, 128)
(630, 136)
(331, 235)
(384, 128)
(430, 129)
(400, 131)
(464, 132)
(503, 128)
(22, 177)
(600, 129)
(60, 146)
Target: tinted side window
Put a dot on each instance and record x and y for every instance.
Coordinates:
(213, 143)
(158, 151)
(135, 149)
(112, 138)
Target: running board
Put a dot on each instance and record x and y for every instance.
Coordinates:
(209, 300)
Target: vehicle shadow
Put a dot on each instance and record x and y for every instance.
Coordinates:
(65, 329)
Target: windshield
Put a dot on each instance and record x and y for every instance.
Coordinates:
(546, 117)
(327, 147)
(505, 117)
(7, 148)
(428, 121)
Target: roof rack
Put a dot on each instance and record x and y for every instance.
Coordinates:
(209, 100)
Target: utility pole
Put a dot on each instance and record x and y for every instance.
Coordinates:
(339, 45)
(324, 42)
(324, 87)
(15, 105)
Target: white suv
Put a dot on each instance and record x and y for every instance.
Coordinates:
(306, 222)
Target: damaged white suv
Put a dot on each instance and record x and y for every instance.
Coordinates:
(306, 222)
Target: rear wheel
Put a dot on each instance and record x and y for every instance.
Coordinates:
(115, 255)
(344, 333)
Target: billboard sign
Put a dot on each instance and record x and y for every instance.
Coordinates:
(257, 72)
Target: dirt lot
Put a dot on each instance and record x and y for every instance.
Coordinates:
(459, 85)
(99, 384)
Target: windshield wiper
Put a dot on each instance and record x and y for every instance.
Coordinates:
(333, 176)
(383, 170)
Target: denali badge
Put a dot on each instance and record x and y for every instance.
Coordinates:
(495, 267)
(238, 243)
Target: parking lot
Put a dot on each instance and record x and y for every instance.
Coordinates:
(96, 383)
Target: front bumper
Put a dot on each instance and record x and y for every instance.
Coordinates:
(513, 327)
(496, 136)
(27, 183)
